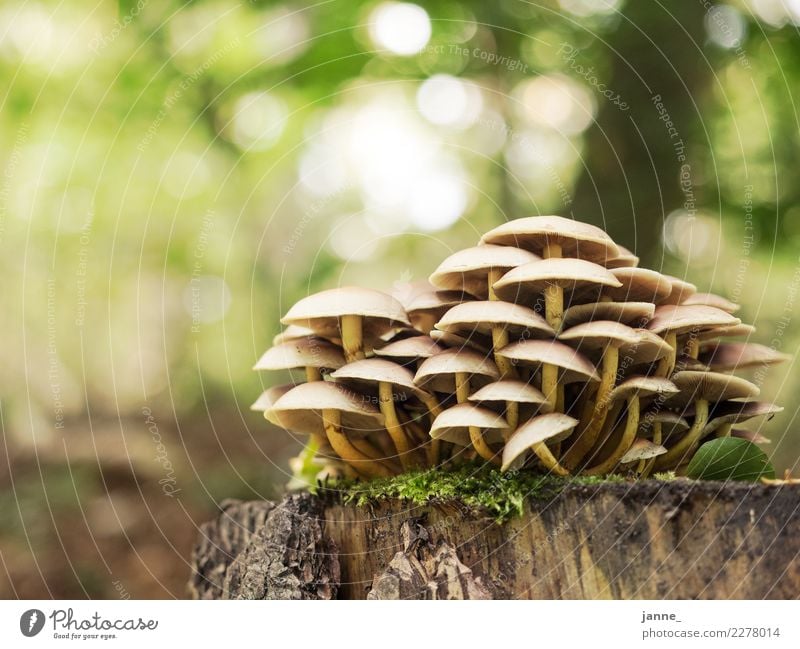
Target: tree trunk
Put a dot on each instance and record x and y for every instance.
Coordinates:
(648, 540)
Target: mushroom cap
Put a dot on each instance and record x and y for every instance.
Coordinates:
(572, 365)
(435, 303)
(476, 341)
(531, 279)
(711, 299)
(624, 312)
(638, 285)
(728, 331)
(639, 345)
(683, 319)
(751, 436)
(292, 332)
(686, 362)
(468, 269)
(438, 372)
(510, 390)
(301, 352)
(736, 412)
(300, 409)
(671, 422)
(369, 372)
(270, 396)
(408, 349)
(723, 357)
(644, 386)
(452, 425)
(712, 386)
(576, 239)
(642, 449)
(625, 259)
(482, 317)
(321, 311)
(406, 292)
(681, 290)
(554, 426)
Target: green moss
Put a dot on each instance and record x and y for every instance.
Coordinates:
(501, 495)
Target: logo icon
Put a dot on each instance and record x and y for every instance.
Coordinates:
(31, 622)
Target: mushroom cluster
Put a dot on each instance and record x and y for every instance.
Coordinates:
(543, 347)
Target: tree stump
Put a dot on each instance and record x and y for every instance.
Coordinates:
(647, 540)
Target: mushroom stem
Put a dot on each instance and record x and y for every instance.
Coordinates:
(554, 314)
(628, 435)
(548, 459)
(667, 364)
(434, 448)
(693, 345)
(499, 333)
(606, 440)
(313, 374)
(475, 435)
(550, 385)
(677, 453)
(393, 425)
(332, 421)
(724, 430)
(590, 428)
(352, 337)
(648, 464)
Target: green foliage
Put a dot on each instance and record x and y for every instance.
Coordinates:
(730, 458)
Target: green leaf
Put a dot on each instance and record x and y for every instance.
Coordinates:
(730, 458)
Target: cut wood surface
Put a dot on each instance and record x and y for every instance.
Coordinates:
(649, 540)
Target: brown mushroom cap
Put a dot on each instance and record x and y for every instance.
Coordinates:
(292, 332)
(434, 304)
(572, 365)
(368, 373)
(729, 331)
(736, 412)
(300, 409)
(642, 449)
(576, 239)
(671, 422)
(410, 349)
(681, 291)
(510, 390)
(624, 312)
(723, 357)
(638, 345)
(482, 317)
(751, 436)
(644, 386)
(626, 259)
(477, 342)
(712, 386)
(711, 299)
(554, 426)
(321, 311)
(684, 319)
(301, 352)
(638, 285)
(438, 372)
(452, 425)
(468, 270)
(270, 396)
(531, 279)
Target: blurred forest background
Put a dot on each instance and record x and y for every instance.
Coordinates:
(176, 174)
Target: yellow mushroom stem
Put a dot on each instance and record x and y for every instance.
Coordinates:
(625, 442)
(549, 460)
(435, 447)
(475, 435)
(554, 314)
(344, 448)
(499, 333)
(646, 466)
(313, 374)
(724, 430)
(608, 438)
(675, 455)
(352, 337)
(550, 385)
(666, 365)
(693, 345)
(596, 410)
(393, 425)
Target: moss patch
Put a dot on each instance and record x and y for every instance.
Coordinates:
(501, 495)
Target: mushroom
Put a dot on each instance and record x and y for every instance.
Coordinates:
(750, 435)
(724, 415)
(710, 299)
(632, 391)
(638, 285)
(613, 340)
(728, 331)
(476, 342)
(681, 291)
(671, 321)
(311, 353)
(325, 408)
(424, 310)
(357, 315)
(625, 259)
(628, 313)
(392, 381)
(642, 450)
(270, 396)
(453, 371)
(411, 350)
(702, 388)
(292, 332)
(724, 357)
(534, 435)
(461, 424)
(661, 424)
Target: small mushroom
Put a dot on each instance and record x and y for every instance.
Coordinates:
(476, 342)
(629, 313)
(725, 357)
(292, 332)
(424, 310)
(392, 382)
(638, 285)
(710, 299)
(702, 388)
(641, 450)
(326, 408)
(750, 435)
(727, 413)
(632, 391)
(512, 394)
(466, 424)
(660, 425)
(625, 259)
(534, 435)
(681, 291)
(352, 313)
(310, 353)
(270, 396)
(728, 331)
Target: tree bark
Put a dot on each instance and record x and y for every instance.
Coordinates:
(647, 540)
